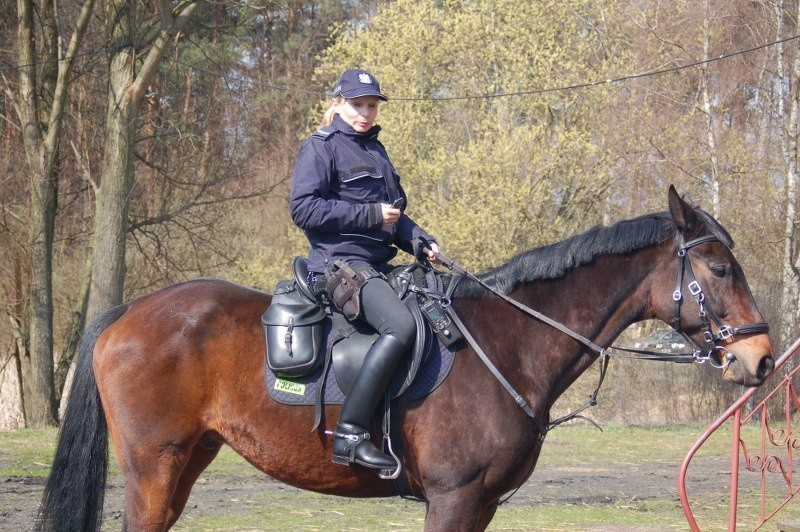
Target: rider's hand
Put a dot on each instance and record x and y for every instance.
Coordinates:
(432, 252)
(389, 214)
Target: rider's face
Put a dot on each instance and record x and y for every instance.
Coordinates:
(359, 112)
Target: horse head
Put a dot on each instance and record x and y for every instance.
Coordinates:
(711, 300)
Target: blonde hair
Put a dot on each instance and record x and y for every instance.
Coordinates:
(327, 118)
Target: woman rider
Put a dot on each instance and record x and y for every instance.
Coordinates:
(347, 198)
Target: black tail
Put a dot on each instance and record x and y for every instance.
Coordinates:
(73, 496)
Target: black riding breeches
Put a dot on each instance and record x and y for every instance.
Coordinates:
(383, 310)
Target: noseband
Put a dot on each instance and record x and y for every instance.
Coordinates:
(704, 353)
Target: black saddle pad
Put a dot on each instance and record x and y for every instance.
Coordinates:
(303, 390)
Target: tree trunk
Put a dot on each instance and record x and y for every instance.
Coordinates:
(711, 138)
(37, 366)
(116, 170)
(37, 360)
(40, 105)
(788, 136)
(125, 91)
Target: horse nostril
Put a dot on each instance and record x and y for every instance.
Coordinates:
(765, 366)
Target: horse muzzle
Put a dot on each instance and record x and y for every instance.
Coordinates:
(748, 361)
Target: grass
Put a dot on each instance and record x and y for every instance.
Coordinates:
(27, 453)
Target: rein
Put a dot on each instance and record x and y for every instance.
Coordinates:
(700, 355)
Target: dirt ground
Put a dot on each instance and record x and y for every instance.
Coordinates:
(549, 484)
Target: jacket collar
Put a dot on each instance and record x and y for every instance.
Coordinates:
(348, 130)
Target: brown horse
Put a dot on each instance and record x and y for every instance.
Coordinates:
(175, 374)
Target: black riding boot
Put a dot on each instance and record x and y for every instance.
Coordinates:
(351, 440)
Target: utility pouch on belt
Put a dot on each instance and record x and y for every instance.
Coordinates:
(343, 287)
(294, 332)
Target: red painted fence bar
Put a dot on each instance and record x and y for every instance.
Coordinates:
(765, 463)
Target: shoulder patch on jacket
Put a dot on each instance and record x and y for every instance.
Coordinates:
(324, 132)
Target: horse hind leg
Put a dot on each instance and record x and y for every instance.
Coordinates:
(152, 481)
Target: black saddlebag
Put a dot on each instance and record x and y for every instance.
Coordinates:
(294, 331)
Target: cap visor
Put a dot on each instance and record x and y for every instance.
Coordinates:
(356, 93)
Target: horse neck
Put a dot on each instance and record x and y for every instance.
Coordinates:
(597, 301)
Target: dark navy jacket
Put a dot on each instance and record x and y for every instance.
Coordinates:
(340, 180)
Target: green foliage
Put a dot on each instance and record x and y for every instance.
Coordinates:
(494, 176)
(271, 261)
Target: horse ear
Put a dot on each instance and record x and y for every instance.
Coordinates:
(682, 212)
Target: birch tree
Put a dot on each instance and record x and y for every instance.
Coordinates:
(711, 137)
(788, 132)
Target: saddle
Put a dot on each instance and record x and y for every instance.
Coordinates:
(306, 337)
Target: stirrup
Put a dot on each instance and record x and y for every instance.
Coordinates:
(390, 474)
(353, 441)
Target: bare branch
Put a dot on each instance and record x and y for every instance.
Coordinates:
(10, 94)
(161, 47)
(83, 164)
(65, 68)
(10, 122)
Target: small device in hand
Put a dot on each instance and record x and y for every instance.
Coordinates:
(396, 204)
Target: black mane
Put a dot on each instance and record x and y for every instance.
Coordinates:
(555, 260)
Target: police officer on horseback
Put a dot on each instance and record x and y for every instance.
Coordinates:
(347, 198)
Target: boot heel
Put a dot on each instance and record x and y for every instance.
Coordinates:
(340, 460)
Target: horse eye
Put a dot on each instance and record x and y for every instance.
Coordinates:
(719, 271)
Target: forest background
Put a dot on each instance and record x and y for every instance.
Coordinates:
(149, 142)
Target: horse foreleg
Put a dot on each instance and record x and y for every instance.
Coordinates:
(202, 455)
(460, 510)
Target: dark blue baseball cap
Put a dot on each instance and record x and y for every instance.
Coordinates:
(355, 83)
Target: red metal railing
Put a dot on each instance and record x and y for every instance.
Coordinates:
(766, 462)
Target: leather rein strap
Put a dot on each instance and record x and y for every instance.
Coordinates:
(543, 428)
(497, 375)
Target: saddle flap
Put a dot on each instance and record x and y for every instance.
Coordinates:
(352, 341)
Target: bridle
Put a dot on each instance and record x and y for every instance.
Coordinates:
(724, 332)
(700, 354)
